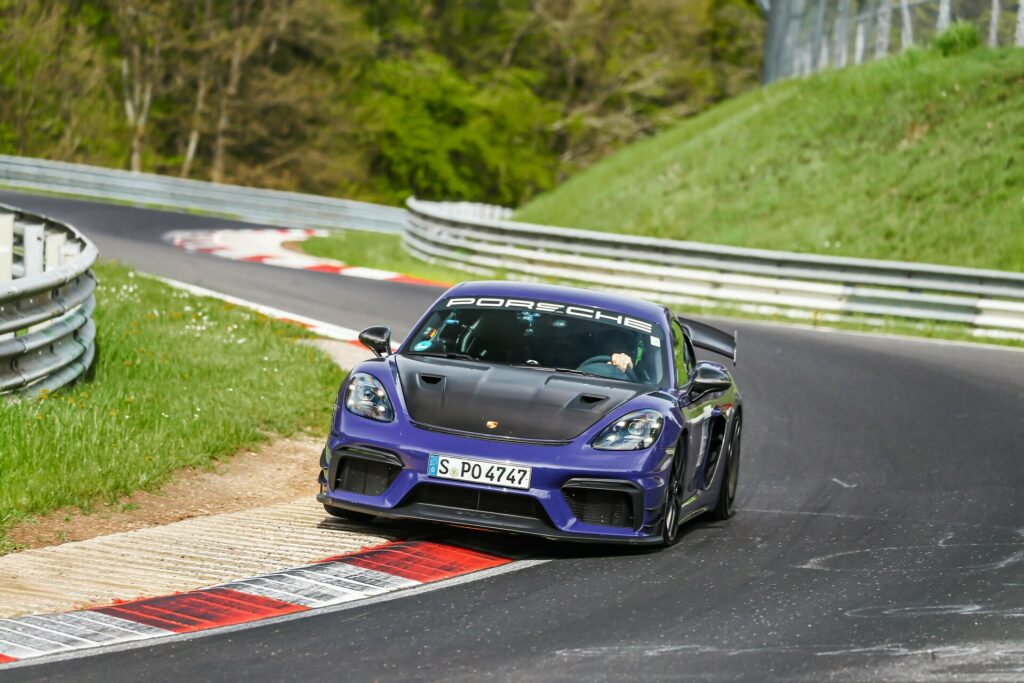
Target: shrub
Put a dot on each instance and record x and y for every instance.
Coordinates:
(959, 38)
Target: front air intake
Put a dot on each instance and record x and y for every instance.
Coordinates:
(365, 473)
(600, 507)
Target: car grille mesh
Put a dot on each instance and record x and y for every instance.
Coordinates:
(604, 508)
(477, 499)
(368, 477)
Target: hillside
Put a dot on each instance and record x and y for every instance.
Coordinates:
(919, 158)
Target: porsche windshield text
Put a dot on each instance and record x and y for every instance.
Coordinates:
(549, 307)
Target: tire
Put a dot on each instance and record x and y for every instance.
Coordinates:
(348, 515)
(670, 511)
(726, 506)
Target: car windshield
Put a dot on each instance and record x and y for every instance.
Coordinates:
(563, 337)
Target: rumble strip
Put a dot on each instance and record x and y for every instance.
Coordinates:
(332, 581)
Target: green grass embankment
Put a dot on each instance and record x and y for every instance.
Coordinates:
(917, 158)
(179, 381)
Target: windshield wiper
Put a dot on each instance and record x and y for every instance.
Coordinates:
(571, 371)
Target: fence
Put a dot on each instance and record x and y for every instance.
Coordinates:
(479, 239)
(46, 303)
(805, 36)
(267, 207)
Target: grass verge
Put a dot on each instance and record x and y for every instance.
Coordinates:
(919, 157)
(179, 381)
(380, 250)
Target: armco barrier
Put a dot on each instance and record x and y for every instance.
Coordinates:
(254, 205)
(479, 238)
(46, 303)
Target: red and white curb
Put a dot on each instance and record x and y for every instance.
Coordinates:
(266, 246)
(331, 582)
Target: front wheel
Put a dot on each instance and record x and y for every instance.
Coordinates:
(348, 515)
(671, 510)
(726, 506)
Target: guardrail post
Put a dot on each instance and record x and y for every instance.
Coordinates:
(54, 250)
(858, 44)
(1018, 36)
(842, 30)
(6, 253)
(944, 16)
(993, 25)
(33, 249)
(884, 27)
(33, 256)
(6, 246)
(907, 34)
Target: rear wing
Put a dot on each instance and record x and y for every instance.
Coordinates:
(704, 336)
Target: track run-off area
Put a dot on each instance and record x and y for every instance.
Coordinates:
(880, 532)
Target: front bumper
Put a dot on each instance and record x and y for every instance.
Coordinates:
(490, 521)
(567, 485)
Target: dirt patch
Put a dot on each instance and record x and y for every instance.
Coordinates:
(282, 470)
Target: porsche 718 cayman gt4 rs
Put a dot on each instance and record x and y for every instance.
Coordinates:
(557, 412)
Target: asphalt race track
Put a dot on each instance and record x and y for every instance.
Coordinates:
(880, 533)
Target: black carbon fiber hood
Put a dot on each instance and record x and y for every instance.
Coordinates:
(525, 403)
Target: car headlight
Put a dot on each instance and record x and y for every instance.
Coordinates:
(366, 397)
(631, 432)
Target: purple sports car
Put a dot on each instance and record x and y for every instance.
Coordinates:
(551, 411)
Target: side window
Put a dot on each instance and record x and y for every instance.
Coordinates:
(683, 353)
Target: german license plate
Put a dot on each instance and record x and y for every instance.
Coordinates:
(478, 471)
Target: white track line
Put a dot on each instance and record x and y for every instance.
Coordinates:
(317, 326)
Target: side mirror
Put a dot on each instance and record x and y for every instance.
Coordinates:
(377, 339)
(708, 377)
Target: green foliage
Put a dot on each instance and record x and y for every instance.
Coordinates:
(179, 380)
(490, 100)
(913, 158)
(440, 136)
(959, 38)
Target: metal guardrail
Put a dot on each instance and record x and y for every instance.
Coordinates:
(249, 204)
(480, 239)
(47, 333)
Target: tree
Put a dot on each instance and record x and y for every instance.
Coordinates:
(144, 29)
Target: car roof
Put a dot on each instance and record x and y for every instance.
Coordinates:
(637, 308)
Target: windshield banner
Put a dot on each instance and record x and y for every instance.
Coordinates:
(548, 307)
